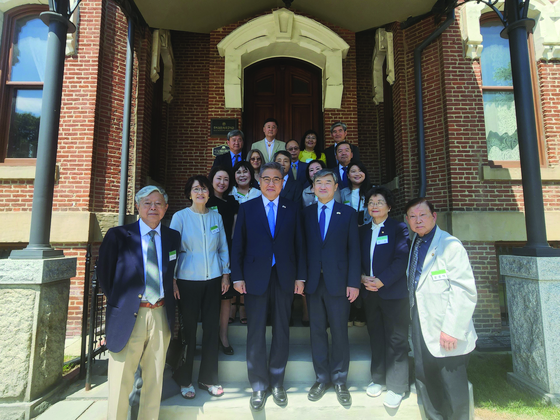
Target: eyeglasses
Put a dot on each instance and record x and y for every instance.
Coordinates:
(198, 190)
(255, 159)
(150, 204)
(268, 180)
(379, 203)
(292, 149)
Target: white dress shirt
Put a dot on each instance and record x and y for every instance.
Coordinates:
(270, 148)
(144, 234)
(328, 213)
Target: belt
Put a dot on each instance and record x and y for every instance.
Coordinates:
(150, 306)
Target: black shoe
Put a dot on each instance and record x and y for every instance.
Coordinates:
(343, 395)
(258, 400)
(227, 350)
(279, 395)
(317, 391)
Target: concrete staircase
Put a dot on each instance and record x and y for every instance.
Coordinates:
(91, 405)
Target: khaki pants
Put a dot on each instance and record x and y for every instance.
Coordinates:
(147, 345)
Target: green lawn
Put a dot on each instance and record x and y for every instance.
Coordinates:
(495, 398)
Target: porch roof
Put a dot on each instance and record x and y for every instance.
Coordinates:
(207, 15)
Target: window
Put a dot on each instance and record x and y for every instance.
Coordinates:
(24, 47)
(497, 92)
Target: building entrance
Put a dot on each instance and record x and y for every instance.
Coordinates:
(288, 90)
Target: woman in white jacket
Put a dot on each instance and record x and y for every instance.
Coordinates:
(202, 275)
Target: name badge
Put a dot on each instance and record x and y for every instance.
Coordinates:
(439, 275)
(346, 202)
(215, 208)
(172, 255)
(214, 229)
(382, 240)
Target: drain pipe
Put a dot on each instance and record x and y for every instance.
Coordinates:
(419, 98)
(126, 121)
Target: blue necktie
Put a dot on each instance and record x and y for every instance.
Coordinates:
(322, 219)
(236, 159)
(271, 224)
(344, 178)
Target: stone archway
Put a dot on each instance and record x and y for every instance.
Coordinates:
(283, 34)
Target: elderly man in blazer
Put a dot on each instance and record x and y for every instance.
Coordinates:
(268, 267)
(235, 139)
(135, 270)
(333, 282)
(291, 189)
(442, 295)
(269, 145)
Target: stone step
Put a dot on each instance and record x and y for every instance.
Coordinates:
(299, 335)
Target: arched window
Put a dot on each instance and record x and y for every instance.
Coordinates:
(497, 90)
(23, 57)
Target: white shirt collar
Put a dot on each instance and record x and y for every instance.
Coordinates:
(266, 201)
(379, 226)
(329, 205)
(145, 229)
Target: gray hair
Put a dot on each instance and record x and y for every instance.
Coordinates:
(234, 133)
(339, 124)
(325, 172)
(272, 165)
(146, 191)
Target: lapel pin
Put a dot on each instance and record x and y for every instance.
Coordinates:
(283, 206)
(433, 254)
(337, 212)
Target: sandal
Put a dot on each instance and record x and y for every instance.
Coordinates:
(185, 390)
(214, 390)
(230, 321)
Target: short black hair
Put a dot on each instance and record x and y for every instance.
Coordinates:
(244, 164)
(320, 162)
(282, 152)
(213, 173)
(270, 120)
(419, 200)
(386, 193)
(340, 144)
(203, 182)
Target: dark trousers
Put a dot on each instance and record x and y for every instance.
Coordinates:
(200, 297)
(326, 310)
(279, 303)
(441, 382)
(387, 324)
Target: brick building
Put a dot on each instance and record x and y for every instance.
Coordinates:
(353, 63)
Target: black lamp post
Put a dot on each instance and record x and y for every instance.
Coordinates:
(57, 19)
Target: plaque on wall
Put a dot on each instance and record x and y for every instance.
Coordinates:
(220, 150)
(220, 127)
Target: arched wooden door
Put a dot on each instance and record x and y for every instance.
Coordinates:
(288, 90)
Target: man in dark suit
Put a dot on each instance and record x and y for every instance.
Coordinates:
(228, 160)
(297, 168)
(267, 258)
(338, 133)
(135, 270)
(344, 156)
(291, 189)
(333, 281)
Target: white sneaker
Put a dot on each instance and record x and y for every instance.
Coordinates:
(374, 390)
(393, 400)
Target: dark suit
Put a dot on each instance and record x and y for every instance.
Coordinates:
(268, 287)
(292, 190)
(387, 310)
(333, 265)
(301, 173)
(121, 274)
(225, 160)
(331, 156)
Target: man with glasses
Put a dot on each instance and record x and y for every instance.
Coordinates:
(135, 270)
(333, 282)
(228, 160)
(268, 267)
(297, 167)
(443, 296)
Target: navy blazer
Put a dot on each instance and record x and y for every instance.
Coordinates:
(301, 174)
(120, 271)
(389, 260)
(224, 160)
(253, 246)
(332, 163)
(338, 256)
(292, 190)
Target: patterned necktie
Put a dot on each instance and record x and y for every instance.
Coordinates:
(322, 220)
(412, 269)
(152, 271)
(271, 224)
(294, 170)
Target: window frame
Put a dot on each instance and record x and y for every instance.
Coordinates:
(491, 17)
(7, 87)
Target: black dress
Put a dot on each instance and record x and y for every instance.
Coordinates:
(227, 209)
